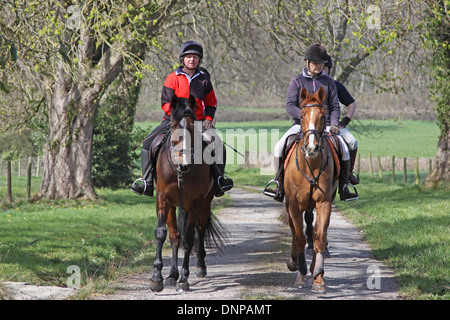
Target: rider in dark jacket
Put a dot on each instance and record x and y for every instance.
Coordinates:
(312, 78)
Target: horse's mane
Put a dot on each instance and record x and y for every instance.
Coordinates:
(182, 109)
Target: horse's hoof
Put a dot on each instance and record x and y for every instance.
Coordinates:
(300, 282)
(156, 286)
(291, 265)
(318, 288)
(183, 286)
(170, 282)
(200, 272)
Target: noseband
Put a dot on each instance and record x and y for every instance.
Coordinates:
(319, 135)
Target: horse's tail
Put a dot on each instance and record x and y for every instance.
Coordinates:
(216, 233)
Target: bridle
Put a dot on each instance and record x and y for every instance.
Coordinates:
(322, 137)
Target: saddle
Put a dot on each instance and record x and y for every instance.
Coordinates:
(333, 143)
(155, 147)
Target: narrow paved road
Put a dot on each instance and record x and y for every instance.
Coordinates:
(253, 263)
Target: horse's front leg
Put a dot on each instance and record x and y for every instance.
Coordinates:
(156, 282)
(174, 237)
(320, 245)
(297, 260)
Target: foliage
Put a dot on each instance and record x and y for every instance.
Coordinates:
(41, 240)
(113, 139)
(437, 38)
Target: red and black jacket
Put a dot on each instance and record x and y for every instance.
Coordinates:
(178, 83)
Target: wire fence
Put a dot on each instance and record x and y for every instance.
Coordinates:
(397, 168)
(19, 167)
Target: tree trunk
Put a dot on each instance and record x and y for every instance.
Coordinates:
(68, 152)
(441, 169)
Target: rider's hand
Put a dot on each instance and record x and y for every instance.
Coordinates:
(207, 124)
(334, 130)
(344, 122)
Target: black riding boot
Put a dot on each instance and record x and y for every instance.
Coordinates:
(144, 185)
(353, 176)
(222, 183)
(278, 192)
(344, 192)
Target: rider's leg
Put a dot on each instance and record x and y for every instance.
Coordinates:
(352, 177)
(344, 192)
(352, 144)
(144, 185)
(278, 191)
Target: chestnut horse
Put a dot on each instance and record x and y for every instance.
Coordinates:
(309, 184)
(187, 185)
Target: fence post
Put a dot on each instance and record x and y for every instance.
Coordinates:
(380, 173)
(393, 169)
(417, 170)
(8, 179)
(370, 165)
(29, 180)
(405, 176)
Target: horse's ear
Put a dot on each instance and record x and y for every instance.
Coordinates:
(321, 94)
(304, 93)
(192, 102)
(174, 102)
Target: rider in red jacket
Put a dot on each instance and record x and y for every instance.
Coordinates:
(187, 80)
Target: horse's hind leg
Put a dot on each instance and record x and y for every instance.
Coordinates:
(201, 254)
(183, 284)
(309, 218)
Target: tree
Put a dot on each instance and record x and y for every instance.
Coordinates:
(72, 51)
(438, 38)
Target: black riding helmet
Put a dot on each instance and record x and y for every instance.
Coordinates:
(191, 47)
(316, 53)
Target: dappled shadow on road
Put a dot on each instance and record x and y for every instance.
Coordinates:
(253, 263)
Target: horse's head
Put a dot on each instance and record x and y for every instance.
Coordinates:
(312, 117)
(182, 122)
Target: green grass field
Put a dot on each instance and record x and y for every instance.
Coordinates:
(406, 225)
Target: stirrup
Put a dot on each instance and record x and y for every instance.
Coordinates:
(269, 191)
(356, 192)
(224, 187)
(134, 185)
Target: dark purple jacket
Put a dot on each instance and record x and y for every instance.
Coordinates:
(331, 103)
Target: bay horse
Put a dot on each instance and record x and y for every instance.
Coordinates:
(183, 183)
(310, 183)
